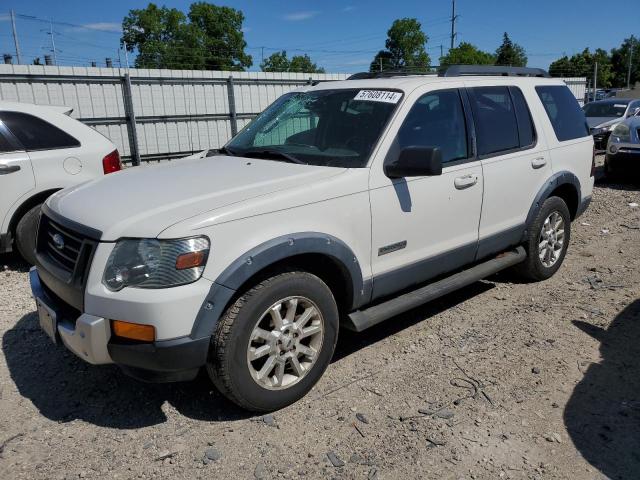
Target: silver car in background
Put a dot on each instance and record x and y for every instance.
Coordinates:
(623, 147)
(604, 115)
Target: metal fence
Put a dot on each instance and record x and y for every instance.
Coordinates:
(162, 114)
(154, 114)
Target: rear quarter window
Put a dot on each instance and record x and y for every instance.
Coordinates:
(35, 133)
(564, 112)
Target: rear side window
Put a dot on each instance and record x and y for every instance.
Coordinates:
(566, 116)
(495, 119)
(526, 130)
(5, 145)
(36, 134)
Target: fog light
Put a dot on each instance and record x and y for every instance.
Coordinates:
(613, 149)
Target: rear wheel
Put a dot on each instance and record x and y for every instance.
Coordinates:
(273, 344)
(547, 241)
(25, 240)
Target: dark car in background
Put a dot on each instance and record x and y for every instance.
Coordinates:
(604, 115)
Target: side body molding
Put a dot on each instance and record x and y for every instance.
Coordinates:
(268, 253)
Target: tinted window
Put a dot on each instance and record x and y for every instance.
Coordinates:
(564, 112)
(5, 146)
(495, 120)
(36, 134)
(437, 120)
(605, 109)
(526, 130)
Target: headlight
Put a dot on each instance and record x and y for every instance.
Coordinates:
(598, 130)
(151, 263)
(622, 133)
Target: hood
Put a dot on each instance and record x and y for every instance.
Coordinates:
(599, 122)
(143, 201)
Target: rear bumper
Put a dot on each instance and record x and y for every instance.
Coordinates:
(89, 337)
(584, 204)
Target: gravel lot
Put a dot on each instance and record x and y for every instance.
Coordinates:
(500, 380)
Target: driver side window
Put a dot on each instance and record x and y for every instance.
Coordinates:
(437, 120)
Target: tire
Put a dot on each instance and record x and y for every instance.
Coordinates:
(533, 268)
(25, 240)
(229, 367)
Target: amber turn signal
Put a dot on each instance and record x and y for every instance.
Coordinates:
(133, 331)
(191, 260)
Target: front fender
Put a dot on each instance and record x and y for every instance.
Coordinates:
(269, 253)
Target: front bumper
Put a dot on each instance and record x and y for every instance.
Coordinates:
(624, 154)
(89, 337)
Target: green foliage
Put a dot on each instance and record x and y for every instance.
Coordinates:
(209, 37)
(278, 62)
(582, 65)
(620, 62)
(405, 48)
(510, 53)
(467, 54)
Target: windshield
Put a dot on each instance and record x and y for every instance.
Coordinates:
(605, 109)
(324, 127)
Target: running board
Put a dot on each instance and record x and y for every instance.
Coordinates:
(363, 319)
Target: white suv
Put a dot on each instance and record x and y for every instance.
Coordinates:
(343, 203)
(43, 150)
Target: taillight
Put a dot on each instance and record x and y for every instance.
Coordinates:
(593, 162)
(111, 163)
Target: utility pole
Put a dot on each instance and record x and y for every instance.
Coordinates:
(453, 22)
(126, 55)
(15, 36)
(380, 63)
(53, 42)
(595, 79)
(441, 51)
(631, 42)
(261, 55)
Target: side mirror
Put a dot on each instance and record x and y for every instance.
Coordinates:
(415, 162)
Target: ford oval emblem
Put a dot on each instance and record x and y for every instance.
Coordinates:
(58, 241)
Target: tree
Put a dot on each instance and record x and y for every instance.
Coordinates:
(510, 53)
(405, 48)
(467, 54)
(620, 62)
(302, 63)
(209, 37)
(582, 65)
(278, 62)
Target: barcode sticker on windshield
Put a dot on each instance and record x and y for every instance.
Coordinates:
(620, 105)
(378, 96)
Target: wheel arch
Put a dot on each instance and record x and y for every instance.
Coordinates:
(562, 184)
(320, 254)
(27, 205)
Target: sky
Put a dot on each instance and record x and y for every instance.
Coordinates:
(341, 36)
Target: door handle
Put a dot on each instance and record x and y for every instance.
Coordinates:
(7, 169)
(465, 182)
(538, 162)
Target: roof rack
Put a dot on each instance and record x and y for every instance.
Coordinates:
(494, 70)
(386, 74)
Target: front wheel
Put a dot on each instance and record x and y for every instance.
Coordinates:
(274, 342)
(547, 241)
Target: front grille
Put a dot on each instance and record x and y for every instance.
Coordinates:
(62, 245)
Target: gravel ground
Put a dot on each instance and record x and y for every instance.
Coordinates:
(499, 380)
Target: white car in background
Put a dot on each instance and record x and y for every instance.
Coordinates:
(43, 150)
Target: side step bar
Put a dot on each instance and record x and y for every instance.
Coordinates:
(363, 319)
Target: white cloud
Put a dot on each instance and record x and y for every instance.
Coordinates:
(298, 16)
(4, 17)
(245, 29)
(103, 26)
(349, 8)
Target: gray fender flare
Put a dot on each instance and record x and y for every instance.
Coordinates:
(556, 180)
(268, 253)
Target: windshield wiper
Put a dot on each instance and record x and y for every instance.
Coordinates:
(272, 155)
(226, 151)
